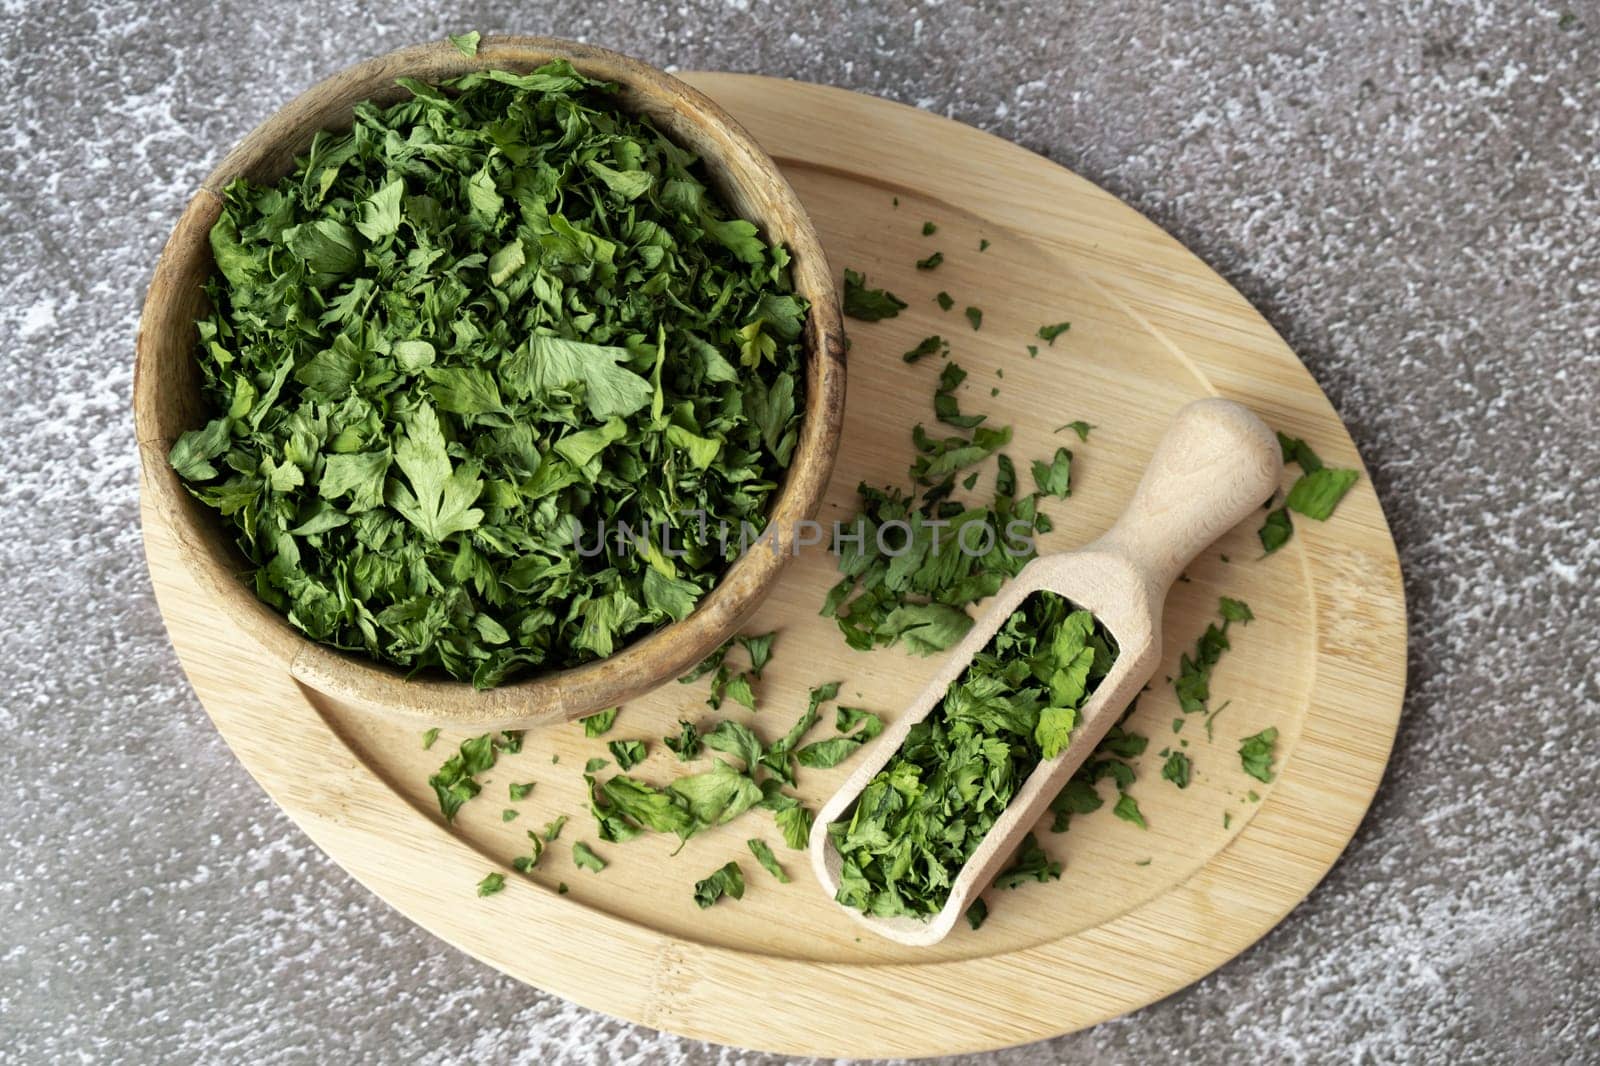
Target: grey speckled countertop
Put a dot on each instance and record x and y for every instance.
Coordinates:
(1407, 191)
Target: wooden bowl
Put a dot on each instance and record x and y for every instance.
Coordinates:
(167, 399)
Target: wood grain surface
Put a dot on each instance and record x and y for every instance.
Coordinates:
(1137, 913)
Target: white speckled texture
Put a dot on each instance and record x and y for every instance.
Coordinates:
(1407, 191)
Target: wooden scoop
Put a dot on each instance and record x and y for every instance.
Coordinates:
(1214, 467)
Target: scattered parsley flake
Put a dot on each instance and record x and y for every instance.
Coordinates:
(1048, 334)
(599, 723)
(767, 859)
(1255, 753)
(585, 857)
(931, 262)
(975, 316)
(1127, 809)
(726, 880)
(1177, 769)
(628, 753)
(867, 304)
(491, 884)
(934, 345)
(686, 744)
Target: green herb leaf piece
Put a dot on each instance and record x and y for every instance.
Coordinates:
(455, 782)
(1316, 494)
(429, 736)
(944, 300)
(795, 825)
(491, 884)
(585, 857)
(1255, 753)
(727, 880)
(466, 43)
(759, 648)
(767, 859)
(1048, 334)
(975, 316)
(1177, 769)
(933, 345)
(1127, 809)
(1081, 428)
(599, 723)
(930, 262)
(929, 229)
(1275, 531)
(1030, 864)
(520, 792)
(1055, 477)
(628, 753)
(686, 744)
(867, 304)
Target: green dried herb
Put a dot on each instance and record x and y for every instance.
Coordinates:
(1029, 864)
(461, 339)
(491, 884)
(1177, 769)
(686, 744)
(934, 345)
(1255, 753)
(931, 261)
(628, 753)
(1081, 428)
(975, 316)
(944, 300)
(768, 861)
(585, 857)
(868, 304)
(1048, 334)
(922, 816)
(1193, 683)
(599, 723)
(1127, 809)
(1055, 477)
(726, 880)
(1315, 493)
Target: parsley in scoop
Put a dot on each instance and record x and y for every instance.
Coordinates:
(918, 821)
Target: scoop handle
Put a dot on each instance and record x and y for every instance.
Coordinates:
(1216, 464)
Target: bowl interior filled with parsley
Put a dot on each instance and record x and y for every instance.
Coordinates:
(468, 375)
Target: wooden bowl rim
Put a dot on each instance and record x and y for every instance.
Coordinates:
(643, 664)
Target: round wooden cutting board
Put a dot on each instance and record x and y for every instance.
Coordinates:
(1137, 913)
